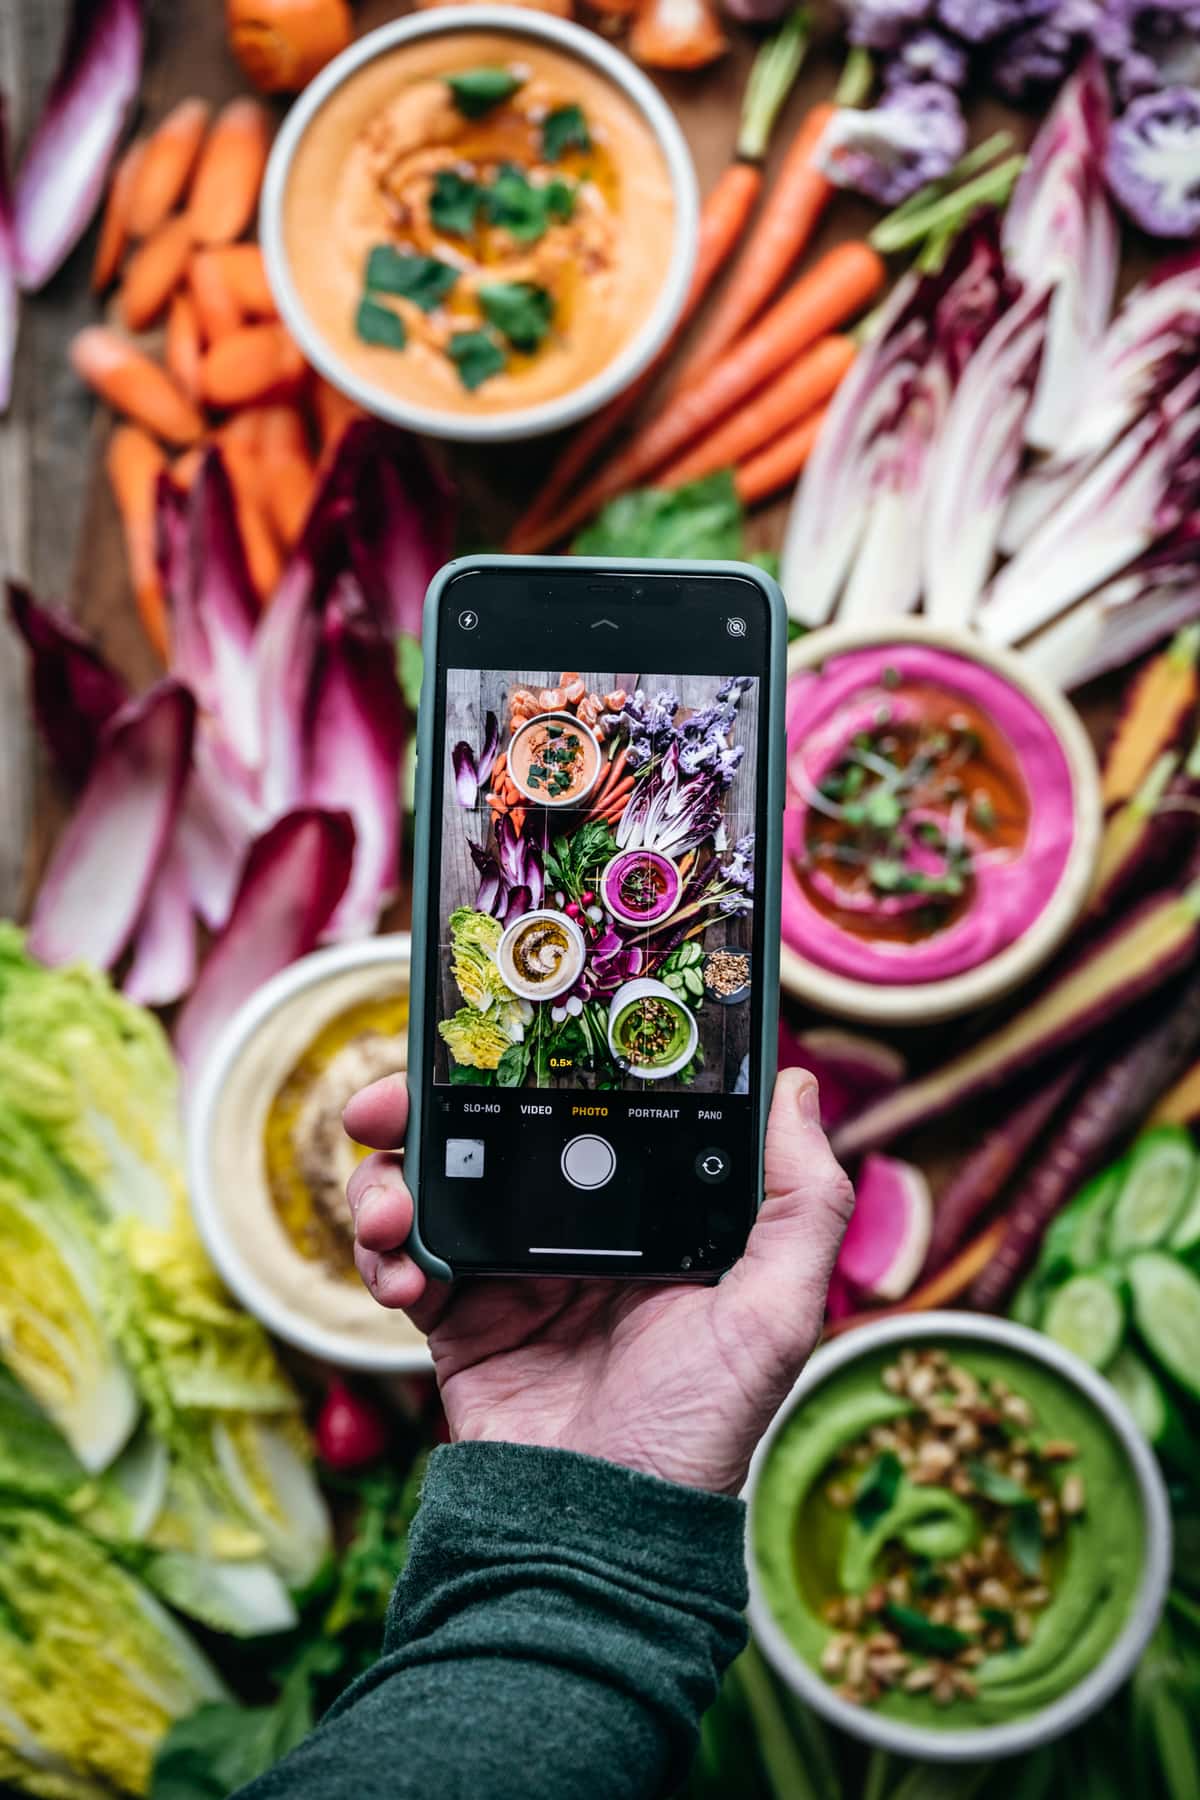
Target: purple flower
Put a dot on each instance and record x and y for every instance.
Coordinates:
(881, 24)
(915, 134)
(1041, 55)
(1150, 46)
(981, 20)
(1153, 165)
(928, 55)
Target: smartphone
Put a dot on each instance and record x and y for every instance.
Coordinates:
(598, 828)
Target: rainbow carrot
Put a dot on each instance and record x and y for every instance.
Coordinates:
(166, 166)
(133, 384)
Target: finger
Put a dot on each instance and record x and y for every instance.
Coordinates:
(777, 1291)
(380, 1203)
(396, 1282)
(378, 1116)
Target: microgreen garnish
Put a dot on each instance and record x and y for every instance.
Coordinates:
(425, 280)
(564, 129)
(478, 91)
(376, 324)
(521, 312)
(477, 357)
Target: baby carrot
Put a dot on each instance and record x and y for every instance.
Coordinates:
(838, 287)
(289, 483)
(134, 463)
(230, 171)
(114, 228)
(133, 384)
(768, 470)
(245, 275)
(217, 307)
(185, 468)
(334, 411)
(182, 350)
(251, 364)
(154, 271)
(809, 382)
(282, 429)
(164, 170)
(263, 557)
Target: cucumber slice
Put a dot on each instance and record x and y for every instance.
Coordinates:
(1087, 1315)
(1166, 1306)
(1075, 1241)
(1157, 1416)
(1186, 1236)
(1156, 1189)
(1026, 1306)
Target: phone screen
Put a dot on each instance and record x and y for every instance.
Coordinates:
(593, 1024)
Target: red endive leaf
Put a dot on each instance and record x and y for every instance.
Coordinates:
(293, 879)
(9, 296)
(101, 873)
(65, 166)
(75, 693)
(164, 950)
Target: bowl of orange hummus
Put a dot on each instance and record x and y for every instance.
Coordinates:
(480, 223)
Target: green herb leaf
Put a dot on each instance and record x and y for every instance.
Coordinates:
(476, 356)
(999, 1620)
(376, 324)
(510, 1071)
(1024, 1536)
(462, 1075)
(454, 204)
(922, 1634)
(526, 212)
(701, 520)
(520, 311)
(995, 1486)
(876, 1492)
(564, 129)
(884, 811)
(477, 91)
(425, 280)
(885, 874)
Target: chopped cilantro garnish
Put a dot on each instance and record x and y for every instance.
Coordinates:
(425, 280)
(455, 202)
(477, 91)
(523, 210)
(520, 311)
(564, 129)
(476, 355)
(377, 324)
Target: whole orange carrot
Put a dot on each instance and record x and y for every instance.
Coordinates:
(217, 307)
(166, 167)
(133, 384)
(806, 384)
(255, 363)
(839, 286)
(229, 174)
(114, 228)
(154, 271)
(182, 350)
(780, 462)
(134, 463)
(780, 236)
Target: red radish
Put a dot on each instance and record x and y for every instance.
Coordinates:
(888, 1234)
(851, 1071)
(351, 1430)
(841, 1301)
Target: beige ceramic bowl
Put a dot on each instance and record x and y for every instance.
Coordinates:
(922, 1003)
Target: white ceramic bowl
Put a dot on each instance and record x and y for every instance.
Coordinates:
(539, 796)
(1154, 1545)
(925, 1002)
(639, 989)
(638, 352)
(251, 1058)
(558, 984)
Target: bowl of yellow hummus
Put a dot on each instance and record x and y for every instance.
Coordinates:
(268, 1159)
(959, 1541)
(480, 223)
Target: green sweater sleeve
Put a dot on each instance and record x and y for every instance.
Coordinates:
(559, 1628)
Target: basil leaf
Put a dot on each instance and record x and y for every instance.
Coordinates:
(377, 324)
(476, 356)
(1001, 1489)
(425, 280)
(454, 204)
(877, 1490)
(510, 1070)
(523, 210)
(520, 311)
(1024, 1538)
(564, 129)
(477, 91)
(922, 1634)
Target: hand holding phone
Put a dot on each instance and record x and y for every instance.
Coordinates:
(675, 1380)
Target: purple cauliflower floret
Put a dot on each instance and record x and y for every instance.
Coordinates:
(882, 24)
(1041, 55)
(1153, 163)
(979, 21)
(928, 55)
(1148, 47)
(915, 134)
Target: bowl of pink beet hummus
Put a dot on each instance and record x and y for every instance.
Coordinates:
(942, 822)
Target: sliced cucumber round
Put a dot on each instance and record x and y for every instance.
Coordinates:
(1161, 1421)
(1186, 1236)
(1087, 1315)
(1075, 1240)
(1026, 1306)
(1155, 1192)
(1166, 1306)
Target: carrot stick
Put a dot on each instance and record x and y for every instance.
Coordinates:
(333, 411)
(133, 384)
(282, 428)
(251, 364)
(154, 271)
(114, 229)
(247, 478)
(611, 775)
(764, 474)
(809, 382)
(185, 468)
(780, 236)
(289, 483)
(245, 275)
(839, 286)
(134, 463)
(217, 306)
(230, 171)
(616, 796)
(166, 167)
(182, 349)
(943, 1288)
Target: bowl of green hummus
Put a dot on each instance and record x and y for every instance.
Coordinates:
(959, 1541)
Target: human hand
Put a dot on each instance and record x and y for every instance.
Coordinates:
(674, 1379)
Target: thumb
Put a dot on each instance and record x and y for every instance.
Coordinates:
(778, 1288)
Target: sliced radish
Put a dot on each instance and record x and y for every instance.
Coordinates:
(885, 1244)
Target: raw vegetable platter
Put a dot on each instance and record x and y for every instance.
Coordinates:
(1110, 1277)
